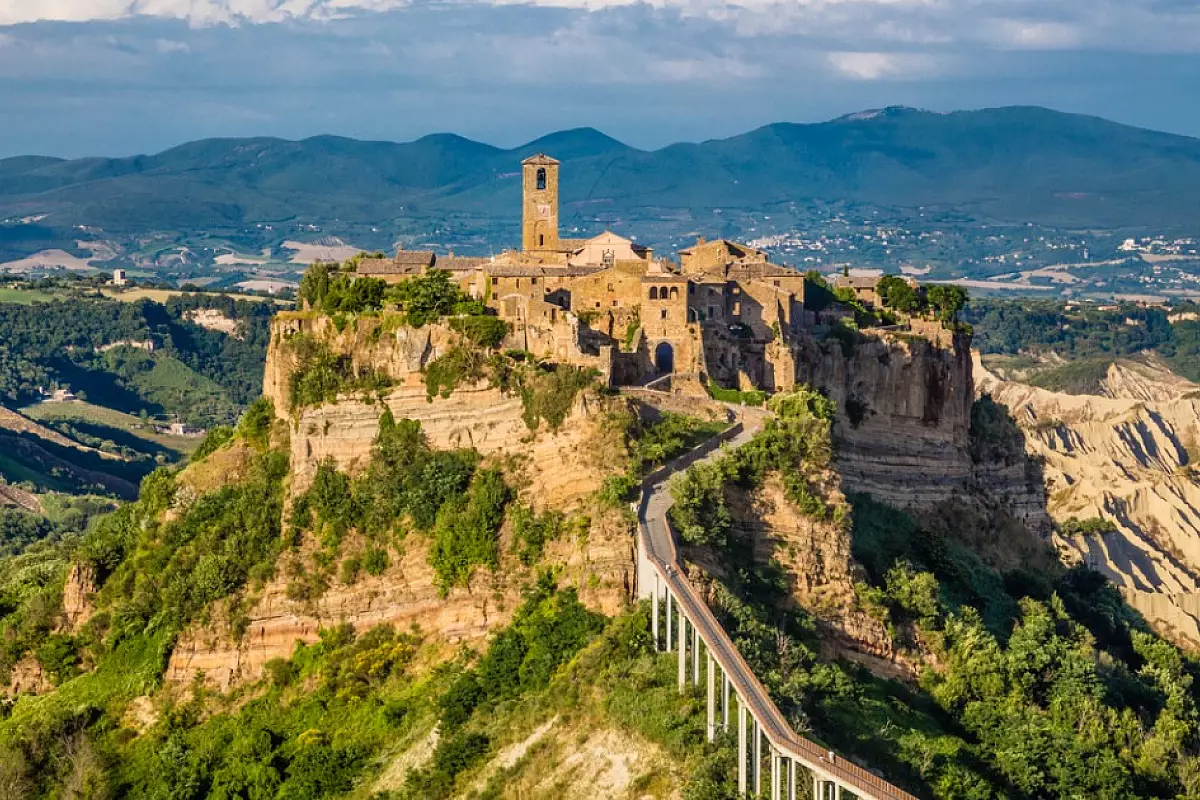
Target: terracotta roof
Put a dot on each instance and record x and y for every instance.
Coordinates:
(855, 282)
(422, 258)
(529, 271)
(377, 267)
(540, 160)
(461, 263)
(734, 248)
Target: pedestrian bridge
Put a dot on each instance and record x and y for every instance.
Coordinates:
(681, 621)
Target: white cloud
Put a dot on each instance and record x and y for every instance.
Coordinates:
(879, 66)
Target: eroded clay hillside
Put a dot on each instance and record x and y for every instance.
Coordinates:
(1128, 456)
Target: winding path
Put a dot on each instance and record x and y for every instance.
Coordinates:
(661, 575)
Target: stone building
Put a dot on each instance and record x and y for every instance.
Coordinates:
(724, 313)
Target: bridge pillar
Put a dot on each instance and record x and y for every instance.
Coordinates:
(757, 759)
(775, 777)
(712, 698)
(668, 620)
(654, 612)
(741, 748)
(681, 637)
(724, 700)
(695, 655)
(791, 792)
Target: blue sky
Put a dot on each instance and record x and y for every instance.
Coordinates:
(118, 77)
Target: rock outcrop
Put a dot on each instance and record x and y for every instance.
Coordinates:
(903, 412)
(79, 592)
(1130, 458)
(550, 468)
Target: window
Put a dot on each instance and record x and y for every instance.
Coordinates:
(495, 295)
(737, 309)
(533, 282)
(597, 304)
(674, 292)
(614, 303)
(662, 314)
(541, 240)
(776, 282)
(541, 179)
(653, 292)
(610, 287)
(518, 283)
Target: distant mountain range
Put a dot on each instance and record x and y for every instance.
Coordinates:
(1015, 164)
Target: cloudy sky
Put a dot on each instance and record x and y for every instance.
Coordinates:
(118, 77)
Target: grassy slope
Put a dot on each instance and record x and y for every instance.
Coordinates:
(111, 418)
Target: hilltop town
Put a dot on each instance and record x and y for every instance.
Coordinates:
(724, 316)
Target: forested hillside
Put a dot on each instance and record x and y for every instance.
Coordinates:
(1069, 346)
(1011, 164)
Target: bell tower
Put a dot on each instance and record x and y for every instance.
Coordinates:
(539, 211)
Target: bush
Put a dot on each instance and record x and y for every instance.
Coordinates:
(255, 425)
(550, 395)
(375, 561)
(59, 656)
(1094, 526)
(446, 373)
(531, 532)
(466, 534)
(430, 297)
(216, 438)
(753, 397)
(482, 331)
(350, 569)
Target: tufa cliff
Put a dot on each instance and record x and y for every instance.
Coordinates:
(903, 405)
(558, 468)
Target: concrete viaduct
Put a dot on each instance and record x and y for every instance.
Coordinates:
(681, 621)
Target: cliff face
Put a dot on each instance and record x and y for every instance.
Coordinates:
(903, 412)
(1127, 457)
(550, 469)
(600, 564)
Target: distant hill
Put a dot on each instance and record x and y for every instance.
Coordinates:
(1010, 164)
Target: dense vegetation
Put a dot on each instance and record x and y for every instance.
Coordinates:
(1047, 685)
(200, 375)
(1090, 336)
(446, 495)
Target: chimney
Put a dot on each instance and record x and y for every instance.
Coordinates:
(699, 240)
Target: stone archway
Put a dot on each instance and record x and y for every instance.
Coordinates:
(664, 358)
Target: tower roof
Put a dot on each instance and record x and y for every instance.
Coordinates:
(540, 160)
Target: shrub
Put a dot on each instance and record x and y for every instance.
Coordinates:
(255, 424)
(59, 656)
(457, 366)
(482, 331)
(466, 534)
(216, 438)
(375, 561)
(549, 395)
(430, 297)
(1094, 526)
(350, 569)
(531, 531)
(753, 397)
